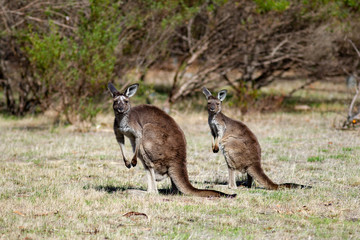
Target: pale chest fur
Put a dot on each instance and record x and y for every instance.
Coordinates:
(126, 128)
(217, 127)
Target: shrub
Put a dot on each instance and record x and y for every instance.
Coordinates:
(73, 70)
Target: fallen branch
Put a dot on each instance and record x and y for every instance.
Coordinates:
(301, 87)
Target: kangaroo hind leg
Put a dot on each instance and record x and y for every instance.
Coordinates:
(174, 189)
(249, 181)
(232, 180)
(150, 174)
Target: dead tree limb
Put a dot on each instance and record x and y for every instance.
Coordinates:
(353, 117)
(356, 49)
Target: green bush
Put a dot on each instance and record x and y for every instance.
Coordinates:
(66, 52)
(264, 6)
(110, 39)
(73, 70)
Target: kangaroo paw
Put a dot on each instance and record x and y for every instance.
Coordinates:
(215, 148)
(134, 161)
(127, 163)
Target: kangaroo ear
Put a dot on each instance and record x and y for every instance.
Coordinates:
(222, 94)
(114, 92)
(131, 90)
(206, 92)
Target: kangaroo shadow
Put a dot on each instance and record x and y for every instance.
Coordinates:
(113, 189)
(239, 183)
(294, 186)
(244, 183)
(170, 191)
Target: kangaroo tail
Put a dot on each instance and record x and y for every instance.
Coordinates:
(180, 178)
(294, 185)
(258, 174)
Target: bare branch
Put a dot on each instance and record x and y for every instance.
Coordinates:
(353, 101)
(54, 21)
(5, 18)
(189, 37)
(231, 83)
(278, 47)
(302, 87)
(357, 51)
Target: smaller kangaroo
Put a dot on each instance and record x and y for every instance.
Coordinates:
(238, 144)
(156, 140)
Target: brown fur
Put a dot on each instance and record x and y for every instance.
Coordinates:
(157, 141)
(239, 145)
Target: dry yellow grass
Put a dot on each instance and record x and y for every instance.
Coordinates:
(59, 184)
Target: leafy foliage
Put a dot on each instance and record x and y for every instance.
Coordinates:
(60, 54)
(271, 5)
(74, 69)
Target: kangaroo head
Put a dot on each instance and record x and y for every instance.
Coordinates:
(214, 103)
(121, 100)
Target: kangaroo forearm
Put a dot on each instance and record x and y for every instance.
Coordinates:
(134, 158)
(121, 141)
(215, 146)
(122, 150)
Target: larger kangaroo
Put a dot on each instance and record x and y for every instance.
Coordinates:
(239, 145)
(156, 140)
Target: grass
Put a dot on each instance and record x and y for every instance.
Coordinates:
(62, 184)
(316, 159)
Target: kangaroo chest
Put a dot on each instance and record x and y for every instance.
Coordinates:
(217, 128)
(125, 128)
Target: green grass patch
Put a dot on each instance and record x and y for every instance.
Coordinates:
(347, 149)
(284, 158)
(316, 159)
(275, 140)
(340, 156)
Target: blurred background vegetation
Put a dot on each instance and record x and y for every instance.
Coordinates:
(59, 55)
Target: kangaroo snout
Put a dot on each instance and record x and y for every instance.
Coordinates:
(212, 107)
(120, 109)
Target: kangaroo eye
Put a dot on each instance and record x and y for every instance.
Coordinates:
(217, 103)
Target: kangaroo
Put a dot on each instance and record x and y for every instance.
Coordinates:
(156, 140)
(238, 144)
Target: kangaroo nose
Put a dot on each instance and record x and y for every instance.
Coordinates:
(120, 108)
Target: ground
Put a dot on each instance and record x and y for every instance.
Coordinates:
(61, 184)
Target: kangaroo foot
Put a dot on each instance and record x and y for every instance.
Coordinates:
(134, 161)
(127, 163)
(215, 148)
